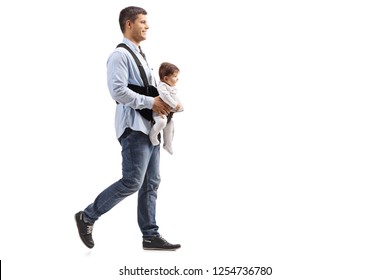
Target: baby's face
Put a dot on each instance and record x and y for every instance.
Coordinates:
(172, 79)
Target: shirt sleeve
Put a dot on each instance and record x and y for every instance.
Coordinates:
(117, 80)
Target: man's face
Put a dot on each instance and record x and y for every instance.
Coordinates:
(138, 28)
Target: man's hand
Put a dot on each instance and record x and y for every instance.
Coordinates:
(160, 107)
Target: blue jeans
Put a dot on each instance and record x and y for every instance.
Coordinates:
(140, 172)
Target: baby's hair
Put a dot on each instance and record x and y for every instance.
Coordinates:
(167, 69)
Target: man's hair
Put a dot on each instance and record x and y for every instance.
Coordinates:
(130, 13)
(167, 69)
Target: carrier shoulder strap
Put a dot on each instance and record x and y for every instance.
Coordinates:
(139, 64)
(147, 90)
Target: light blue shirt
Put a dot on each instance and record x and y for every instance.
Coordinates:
(121, 71)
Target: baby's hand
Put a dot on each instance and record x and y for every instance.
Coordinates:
(179, 107)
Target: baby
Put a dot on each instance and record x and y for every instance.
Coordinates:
(168, 73)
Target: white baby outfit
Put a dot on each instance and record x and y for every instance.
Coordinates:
(169, 95)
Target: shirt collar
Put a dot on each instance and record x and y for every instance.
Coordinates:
(132, 46)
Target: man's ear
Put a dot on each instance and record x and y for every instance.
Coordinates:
(128, 24)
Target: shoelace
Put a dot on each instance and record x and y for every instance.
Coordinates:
(89, 229)
(163, 239)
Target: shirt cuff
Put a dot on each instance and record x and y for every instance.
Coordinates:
(149, 102)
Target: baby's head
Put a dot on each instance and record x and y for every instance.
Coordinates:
(169, 73)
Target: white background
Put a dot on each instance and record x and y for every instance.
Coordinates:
(281, 157)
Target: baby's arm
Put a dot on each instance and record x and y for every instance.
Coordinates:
(179, 107)
(166, 96)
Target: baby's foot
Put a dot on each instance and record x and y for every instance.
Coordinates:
(168, 148)
(154, 140)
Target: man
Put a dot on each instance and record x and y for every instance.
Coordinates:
(140, 159)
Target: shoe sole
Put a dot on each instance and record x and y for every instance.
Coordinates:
(159, 249)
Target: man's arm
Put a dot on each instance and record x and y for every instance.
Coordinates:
(117, 80)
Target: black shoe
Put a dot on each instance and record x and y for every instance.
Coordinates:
(158, 243)
(85, 230)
